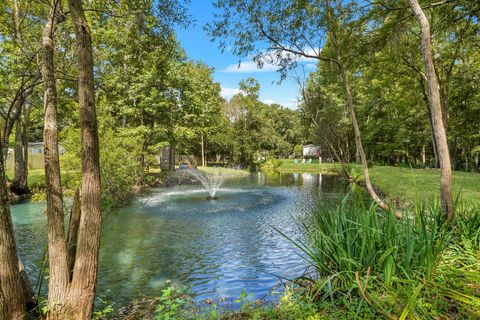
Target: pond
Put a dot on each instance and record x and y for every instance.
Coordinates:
(175, 236)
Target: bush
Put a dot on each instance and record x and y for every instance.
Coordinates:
(270, 165)
(119, 168)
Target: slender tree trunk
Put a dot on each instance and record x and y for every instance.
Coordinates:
(171, 158)
(15, 289)
(72, 235)
(12, 298)
(203, 152)
(423, 156)
(430, 120)
(4, 314)
(20, 183)
(82, 288)
(358, 141)
(436, 109)
(57, 250)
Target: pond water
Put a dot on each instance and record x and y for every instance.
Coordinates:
(175, 236)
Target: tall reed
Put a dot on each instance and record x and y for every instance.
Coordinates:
(403, 266)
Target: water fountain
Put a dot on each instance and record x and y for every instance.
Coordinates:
(211, 182)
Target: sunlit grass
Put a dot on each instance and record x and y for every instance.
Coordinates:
(423, 184)
(289, 166)
(36, 177)
(400, 183)
(225, 171)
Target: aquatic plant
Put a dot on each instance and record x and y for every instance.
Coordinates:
(397, 267)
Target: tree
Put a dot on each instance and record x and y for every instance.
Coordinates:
(202, 96)
(72, 281)
(281, 32)
(19, 184)
(82, 287)
(13, 302)
(21, 77)
(57, 249)
(15, 293)
(436, 109)
(324, 116)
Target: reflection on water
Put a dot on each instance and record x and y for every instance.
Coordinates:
(218, 248)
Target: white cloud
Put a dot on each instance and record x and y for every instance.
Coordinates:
(269, 101)
(291, 103)
(270, 59)
(249, 66)
(228, 93)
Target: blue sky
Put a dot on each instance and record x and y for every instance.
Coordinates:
(199, 47)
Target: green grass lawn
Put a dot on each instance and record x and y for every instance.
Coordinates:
(224, 171)
(219, 170)
(404, 184)
(36, 177)
(423, 184)
(289, 166)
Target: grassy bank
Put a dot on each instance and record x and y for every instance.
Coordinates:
(422, 184)
(224, 171)
(404, 184)
(289, 166)
(36, 177)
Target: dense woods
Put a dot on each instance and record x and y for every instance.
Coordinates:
(394, 83)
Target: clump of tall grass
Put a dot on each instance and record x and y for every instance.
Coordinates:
(397, 266)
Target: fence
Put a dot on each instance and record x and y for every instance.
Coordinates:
(35, 161)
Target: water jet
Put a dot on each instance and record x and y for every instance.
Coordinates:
(211, 182)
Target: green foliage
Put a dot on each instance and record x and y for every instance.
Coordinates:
(174, 303)
(270, 165)
(119, 168)
(377, 46)
(355, 237)
(298, 150)
(351, 174)
(259, 129)
(414, 267)
(103, 313)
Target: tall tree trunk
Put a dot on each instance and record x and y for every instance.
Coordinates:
(57, 250)
(423, 156)
(12, 299)
(19, 185)
(82, 288)
(171, 158)
(430, 120)
(436, 109)
(203, 152)
(72, 235)
(15, 289)
(20, 182)
(15, 109)
(358, 139)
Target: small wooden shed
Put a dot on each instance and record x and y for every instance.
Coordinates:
(311, 151)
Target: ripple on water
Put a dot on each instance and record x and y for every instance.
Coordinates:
(219, 248)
